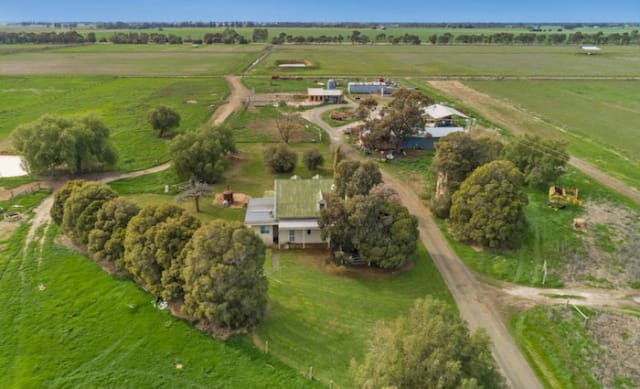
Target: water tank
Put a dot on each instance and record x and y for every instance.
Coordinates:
(331, 84)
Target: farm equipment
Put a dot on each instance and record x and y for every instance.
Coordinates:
(561, 197)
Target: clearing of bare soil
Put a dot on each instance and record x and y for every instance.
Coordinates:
(619, 338)
(612, 250)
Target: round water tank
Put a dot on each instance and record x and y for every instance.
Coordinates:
(331, 84)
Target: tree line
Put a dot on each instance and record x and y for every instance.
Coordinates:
(215, 269)
(231, 36)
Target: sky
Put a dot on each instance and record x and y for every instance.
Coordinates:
(321, 10)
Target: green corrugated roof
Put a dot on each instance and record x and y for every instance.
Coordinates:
(299, 198)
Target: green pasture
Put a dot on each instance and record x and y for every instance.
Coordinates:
(67, 323)
(598, 118)
(123, 104)
(367, 61)
(132, 60)
(321, 315)
(557, 346)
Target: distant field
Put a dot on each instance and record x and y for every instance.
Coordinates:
(599, 118)
(123, 104)
(372, 61)
(423, 33)
(141, 60)
(66, 323)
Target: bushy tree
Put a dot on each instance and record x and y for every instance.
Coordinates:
(53, 142)
(375, 226)
(82, 207)
(60, 198)
(488, 209)
(457, 155)
(356, 178)
(280, 158)
(153, 243)
(202, 155)
(541, 161)
(224, 276)
(385, 234)
(106, 240)
(429, 348)
(163, 118)
(313, 159)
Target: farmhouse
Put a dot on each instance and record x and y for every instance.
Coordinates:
(319, 95)
(290, 217)
(441, 120)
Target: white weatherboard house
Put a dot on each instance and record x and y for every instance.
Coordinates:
(290, 217)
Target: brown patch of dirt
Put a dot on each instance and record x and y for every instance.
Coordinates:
(6, 194)
(268, 126)
(191, 102)
(619, 337)
(240, 200)
(612, 250)
(6, 229)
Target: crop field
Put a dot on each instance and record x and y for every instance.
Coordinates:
(130, 60)
(374, 61)
(591, 115)
(321, 315)
(66, 323)
(123, 104)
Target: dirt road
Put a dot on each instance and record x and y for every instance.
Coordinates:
(475, 305)
(237, 98)
(506, 115)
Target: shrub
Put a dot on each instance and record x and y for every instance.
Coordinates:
(280, 158)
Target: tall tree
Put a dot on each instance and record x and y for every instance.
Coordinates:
(356, 178)
(60, 198)
(53, 142)
(429, 348)
(154, 240)
(457, 155)
(82, 207)
(202, 155)
(541, 161)
(224, 276)
(163, 118)
(106, 240)
(489, 207)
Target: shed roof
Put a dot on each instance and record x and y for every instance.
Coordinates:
(260, 212)
(323, 92)
(439, 111)
(300, 198)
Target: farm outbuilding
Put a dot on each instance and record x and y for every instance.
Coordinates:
(319, 95)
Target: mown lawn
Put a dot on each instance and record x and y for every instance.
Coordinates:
(321, 315)
(66, 323)
(123, 104)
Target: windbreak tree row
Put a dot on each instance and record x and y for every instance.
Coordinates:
(214, 269)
